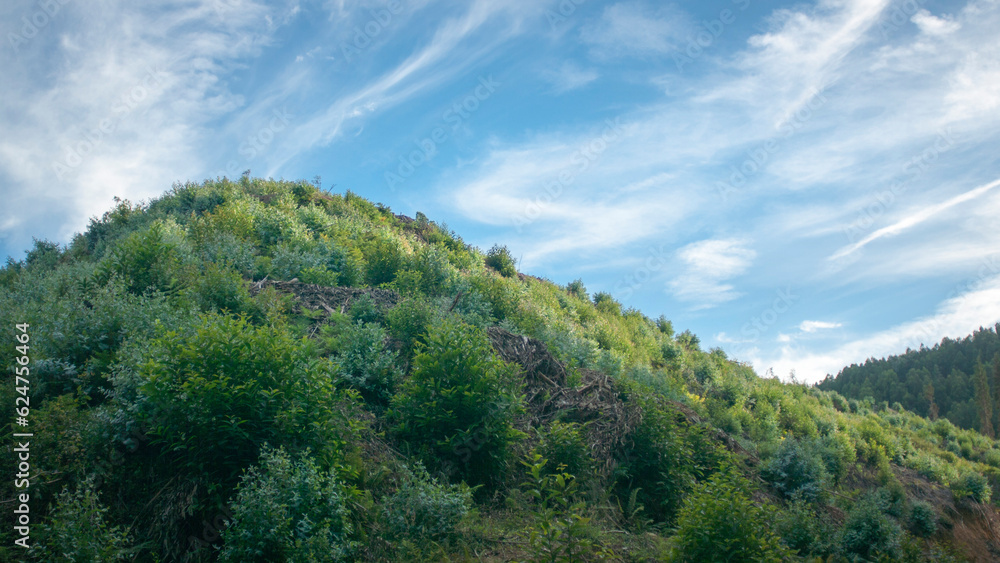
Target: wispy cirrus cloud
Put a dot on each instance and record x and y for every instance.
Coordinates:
(707, 267)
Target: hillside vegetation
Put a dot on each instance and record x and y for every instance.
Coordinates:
(956, 379)
(261, 371)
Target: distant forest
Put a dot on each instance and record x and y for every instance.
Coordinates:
(956, 379)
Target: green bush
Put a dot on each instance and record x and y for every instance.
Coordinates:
(796, 472)
(923, 519)
(869, 533)
(560, 532)
(500, 259)
(77, 530)
(214, 392)
(408, 322)
(802, 530)
(384, 258)
(288, 510)
(457, 407)
(666, 459)
(563, 444)
(366, 364)
(323, 263)
(219, 289)
(719, 521)
(423, 509)
(145, 261)
(434, 269)
(973, 485)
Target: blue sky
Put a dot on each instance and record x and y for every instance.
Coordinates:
(802, 184)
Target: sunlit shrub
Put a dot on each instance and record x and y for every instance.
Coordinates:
(145, 261)
(457, 407)
(972, 485)
(563, 444)
(216, 391)
(500, 259)
(720, 522)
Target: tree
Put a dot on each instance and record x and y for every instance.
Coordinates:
(932, 408)
(984, 403)
(996, 378)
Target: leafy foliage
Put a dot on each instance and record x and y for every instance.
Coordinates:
(423, 508)
(719, 522)
(458, 405)
(77, 530)
(288, 509)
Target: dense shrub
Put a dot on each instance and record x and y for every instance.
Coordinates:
(288, 510)
(457, 407)
(923, 519)
(805, 531)
(720, 522)
(366, 364)
(78, 530)
(500, 259)
(560, 532)
(408, 322)
(563, 444)
(423, 509)
(796, 472)
(667, 458)
(384, 258)
(869, 533)
(213, 393)
(973, 485)
(145, 261)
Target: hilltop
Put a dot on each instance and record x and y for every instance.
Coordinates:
(257, 370)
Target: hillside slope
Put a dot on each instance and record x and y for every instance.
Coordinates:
(955, 379)
(260, 371)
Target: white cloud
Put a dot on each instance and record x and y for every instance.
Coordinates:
(568, 76)
(914, 219)
(813, 326)
(150, 77)
(635, 28)
(955, 318)
(933, 25)
(708, 264)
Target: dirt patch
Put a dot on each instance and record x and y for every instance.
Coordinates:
(330, 299)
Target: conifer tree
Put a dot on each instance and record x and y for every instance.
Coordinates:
(984, 402)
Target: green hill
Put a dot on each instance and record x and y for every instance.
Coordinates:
(956, 379)
(260, 371)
